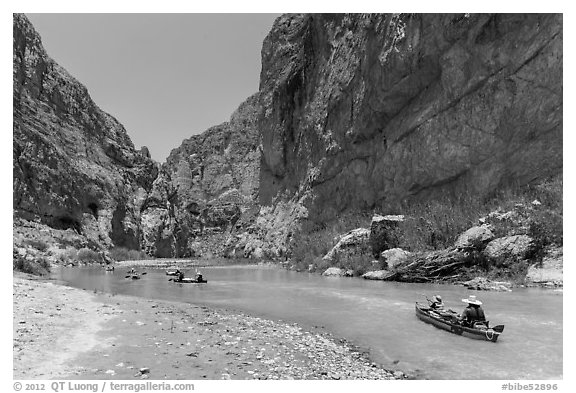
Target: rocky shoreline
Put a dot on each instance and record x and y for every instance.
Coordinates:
(62, 332)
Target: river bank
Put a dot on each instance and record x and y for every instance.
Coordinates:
(63, 332)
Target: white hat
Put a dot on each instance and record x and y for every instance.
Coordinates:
(472, 300)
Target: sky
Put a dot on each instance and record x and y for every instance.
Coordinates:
(165, 77)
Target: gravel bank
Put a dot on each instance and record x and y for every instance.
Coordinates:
(62, 332)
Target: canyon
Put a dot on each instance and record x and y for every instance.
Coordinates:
(354, 112)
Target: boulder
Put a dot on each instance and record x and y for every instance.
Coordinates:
(550, 272)
(349, 243)
(382, 232)
(474, 238)
(484, 284)
(394, 256)
(507, 248)
(337, 272)
(376, 275)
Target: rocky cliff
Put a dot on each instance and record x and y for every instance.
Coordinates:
(207, 190)
(369, 111)
(354, 113)
(74, 166)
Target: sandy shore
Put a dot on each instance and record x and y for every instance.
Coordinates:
(62, 332)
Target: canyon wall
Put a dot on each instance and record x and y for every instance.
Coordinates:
(360, 112)
(370, 111)
(74, 166)
(207, 189)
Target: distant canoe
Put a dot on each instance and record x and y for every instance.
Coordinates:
(189, 281)
(445, 322)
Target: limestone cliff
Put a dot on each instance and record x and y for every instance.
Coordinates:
(207, 189)
(368, 111)
(74, 166)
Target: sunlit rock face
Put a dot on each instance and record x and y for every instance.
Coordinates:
(74, 165)
(207, 189)
(368, 111)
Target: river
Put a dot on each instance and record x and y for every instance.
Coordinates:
(377, 316)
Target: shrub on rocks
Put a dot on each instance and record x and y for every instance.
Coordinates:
(86, 255)
(124, 254)
(30, 263)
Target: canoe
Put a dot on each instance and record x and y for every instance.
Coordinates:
(188, 280)
(447, 321)
(171, 273)
(133, 276)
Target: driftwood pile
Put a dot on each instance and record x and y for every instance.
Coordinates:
(441, 265)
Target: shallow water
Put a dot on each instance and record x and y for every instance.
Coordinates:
(378, 316)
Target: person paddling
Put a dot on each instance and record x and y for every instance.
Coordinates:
(436, 303)
(472, 313)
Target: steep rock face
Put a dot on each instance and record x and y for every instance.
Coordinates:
(367, 111)
(207, 188)
(74, 165)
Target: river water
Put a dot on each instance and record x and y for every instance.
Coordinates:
(378, 316)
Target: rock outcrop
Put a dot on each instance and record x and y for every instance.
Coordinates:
(368, 111)
(74, 166)
(383, 232)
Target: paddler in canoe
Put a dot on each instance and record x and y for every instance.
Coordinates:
(437, 306)
(473, 314)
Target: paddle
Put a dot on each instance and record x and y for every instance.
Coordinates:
(426, 296)
(498, 328)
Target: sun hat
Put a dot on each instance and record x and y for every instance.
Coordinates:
(438, 298)
(472, 300)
